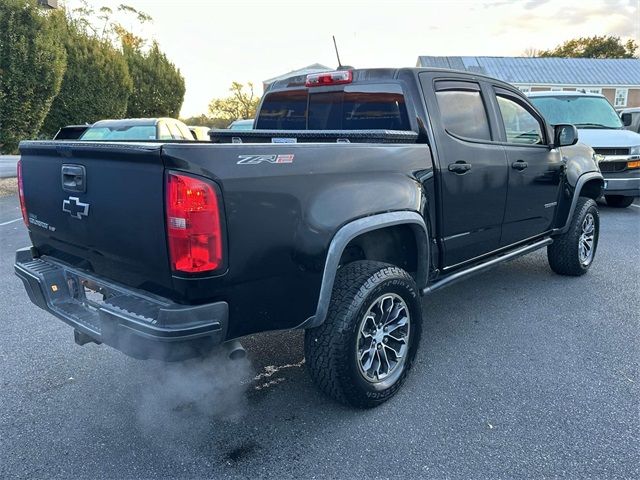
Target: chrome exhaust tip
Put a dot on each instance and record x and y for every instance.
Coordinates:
(235, 351)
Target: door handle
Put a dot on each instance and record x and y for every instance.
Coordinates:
(459, 167)
(519, 165)
(73, 178)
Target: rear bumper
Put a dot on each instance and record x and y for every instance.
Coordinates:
(136, 323)
(627, 187)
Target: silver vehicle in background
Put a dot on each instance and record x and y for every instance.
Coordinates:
(200, 133)
(600, 127)
(138, 129)
(242, 124)
(631, 119)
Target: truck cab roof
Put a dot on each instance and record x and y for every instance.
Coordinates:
(377, 74)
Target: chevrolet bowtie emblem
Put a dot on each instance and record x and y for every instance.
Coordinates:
(74, 207)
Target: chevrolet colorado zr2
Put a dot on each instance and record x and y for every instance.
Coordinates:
(357, 193)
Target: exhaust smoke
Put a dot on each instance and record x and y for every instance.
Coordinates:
(179, 397)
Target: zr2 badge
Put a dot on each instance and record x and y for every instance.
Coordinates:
(257, 159)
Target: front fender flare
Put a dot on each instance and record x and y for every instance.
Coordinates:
(582, 180)
(355, 228)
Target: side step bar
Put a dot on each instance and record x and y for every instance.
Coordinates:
(482, 267)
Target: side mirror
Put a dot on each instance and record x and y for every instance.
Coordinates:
(565, 135)
(626, 119)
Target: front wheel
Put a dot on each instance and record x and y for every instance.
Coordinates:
(572, 253)
(618, 201)
(362, 352)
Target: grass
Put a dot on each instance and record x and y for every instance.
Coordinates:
(8, 186)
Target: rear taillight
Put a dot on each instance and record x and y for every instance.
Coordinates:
(339, 77)
(193, 224)
(23, 206)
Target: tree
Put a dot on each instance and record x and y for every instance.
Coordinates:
(127, 37)
(32, 64)
(158, 86)
(204, 121)
(242, 104)
(593, 47)
(96, 84)
(107, 25)
(109, 74)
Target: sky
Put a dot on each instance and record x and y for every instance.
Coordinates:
(216, 42)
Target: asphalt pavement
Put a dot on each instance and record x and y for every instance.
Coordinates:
(8, 165)
(521, 374)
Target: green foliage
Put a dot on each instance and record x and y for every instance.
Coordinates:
(593, 47)
(32, 64)
(96, 84)
(67, 67)
(158, 86)
(241, 105)
(205, 121)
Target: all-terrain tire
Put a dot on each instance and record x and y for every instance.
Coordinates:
(618, 201)
(564, 253)
(331, 350)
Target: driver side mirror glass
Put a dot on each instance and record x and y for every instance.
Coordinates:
(626, 119)
(565, 135)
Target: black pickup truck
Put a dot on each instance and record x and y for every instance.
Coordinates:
(358, 193)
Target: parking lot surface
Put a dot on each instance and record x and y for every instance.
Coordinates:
(8, 165)
(521, 373)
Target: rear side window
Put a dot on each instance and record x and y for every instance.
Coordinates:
(354, 108)
(463, 114)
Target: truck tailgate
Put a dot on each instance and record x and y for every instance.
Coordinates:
(99, 207)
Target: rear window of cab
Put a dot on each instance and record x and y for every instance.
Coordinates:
(355, 107)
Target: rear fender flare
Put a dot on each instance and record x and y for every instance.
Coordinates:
(352, 230)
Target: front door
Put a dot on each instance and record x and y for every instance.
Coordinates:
(535, 170)
(473, 170)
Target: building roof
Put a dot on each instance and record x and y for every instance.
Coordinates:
(313, 68)
(547, 70)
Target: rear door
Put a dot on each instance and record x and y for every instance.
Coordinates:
(535, 169)
(99, 207)
(473, 168)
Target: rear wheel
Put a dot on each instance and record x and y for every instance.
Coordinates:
(572, 253)
(362, 352)
(618, 201)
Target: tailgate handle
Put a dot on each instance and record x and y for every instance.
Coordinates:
(74, 178)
